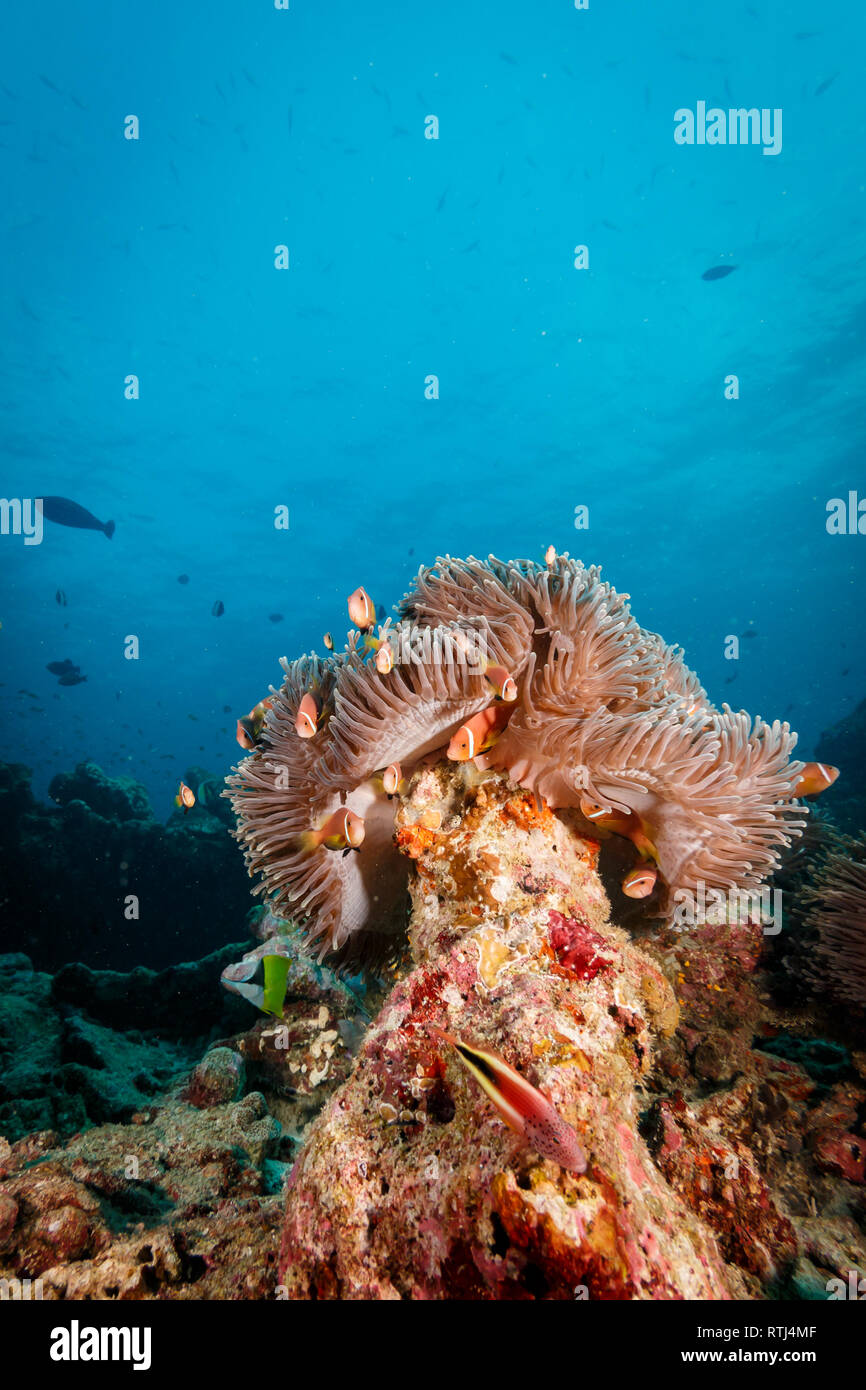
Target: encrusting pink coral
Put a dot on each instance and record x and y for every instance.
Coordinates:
(603, 707)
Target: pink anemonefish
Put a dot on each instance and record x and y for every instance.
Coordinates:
(815, 778)
(341, 831)
(362, 609)
(640, 882)
(502, 683)
(478, 733)
(249, 730)
(627, 823)
(309, 715)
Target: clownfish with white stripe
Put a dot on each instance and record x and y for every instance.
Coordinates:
(341, 831)
(478, 733)
(627, 823)
(384, 658)
(815, 778)
(249, 731)
(502, 682)
(362, 609)
(640, 882)
(309, 715)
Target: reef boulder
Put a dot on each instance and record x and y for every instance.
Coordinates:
(409, 1184)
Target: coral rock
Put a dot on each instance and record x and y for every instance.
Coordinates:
(409, 1184)
(218, 1079)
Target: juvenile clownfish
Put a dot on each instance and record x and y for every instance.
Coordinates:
(478, 733)
(550, 556)
(185, 797)
(521, 1105)
(328, 641)
(627, 823)
(341, 831)
(309, 715)
(502, 683)
(392, 779)
(249, 730)
(815, 778)
(384, 659)
(640, 882)
(362, 609)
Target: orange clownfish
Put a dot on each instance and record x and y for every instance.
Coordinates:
(392, 779)
(362, 609)
(521, 1105)
(249, 730)
(627, 823)
(341, 831)
(815, 778)
(185, 797)
(502, 682)
(328, 641)
(309, 715)
(384, 659)
(550, 556)
(640, 882)
(478, 733)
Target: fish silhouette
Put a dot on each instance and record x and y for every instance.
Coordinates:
(718, 272)
(66, 513)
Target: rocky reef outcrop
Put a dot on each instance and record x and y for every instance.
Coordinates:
(186, 1147)
(410, 1186)
(717, 1167)
(96, 878)
(149, 1162)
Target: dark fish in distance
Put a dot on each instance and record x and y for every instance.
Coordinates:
(275, 617)
(61, 598)
(218, 609)
(66, 513)
(822, 86)
(718, 272)
(62, 668)
(72, 678)
(183, 579)
(749, 632)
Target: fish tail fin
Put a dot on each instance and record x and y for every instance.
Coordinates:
(645, 847)
(306, 842)
(109, 529)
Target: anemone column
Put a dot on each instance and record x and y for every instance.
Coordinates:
(410, 1185)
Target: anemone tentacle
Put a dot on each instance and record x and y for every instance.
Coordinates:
(605, 709)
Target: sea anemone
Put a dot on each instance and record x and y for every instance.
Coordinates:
(835, 924)
(604, 708)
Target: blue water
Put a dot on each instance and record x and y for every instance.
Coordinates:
(411, 257)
